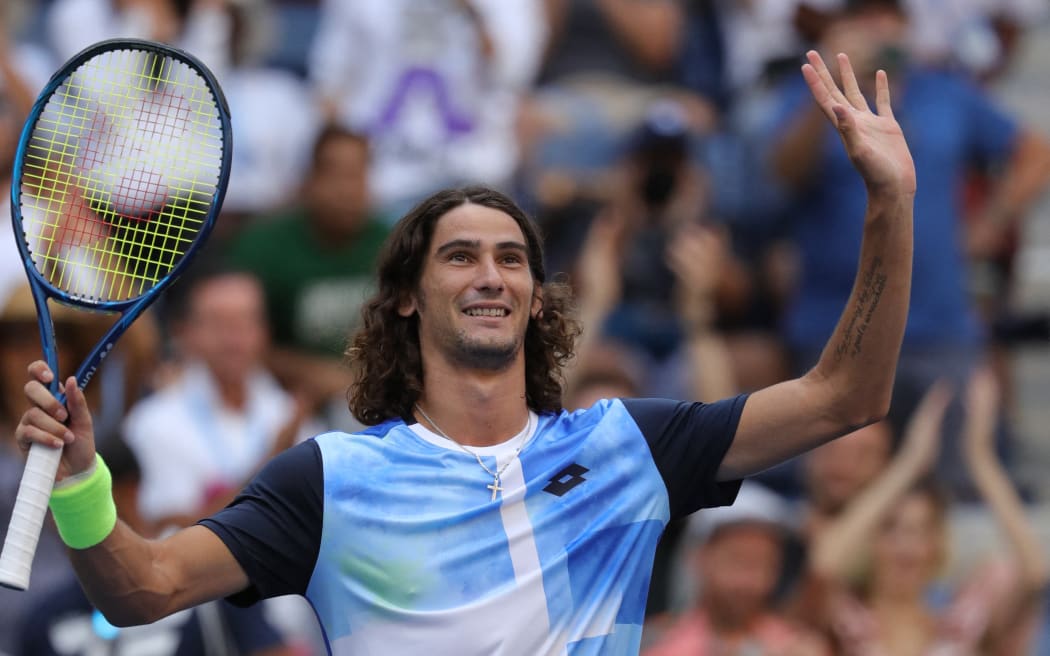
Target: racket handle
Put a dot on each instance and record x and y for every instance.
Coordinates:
(23, 532)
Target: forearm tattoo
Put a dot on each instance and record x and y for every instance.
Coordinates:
(872, 283)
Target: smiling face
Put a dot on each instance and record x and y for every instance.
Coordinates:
(476, 293)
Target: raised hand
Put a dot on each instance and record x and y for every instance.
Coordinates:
(598, 264)
(697, 256)
(982, 410)
(873, 140)
(922, 436)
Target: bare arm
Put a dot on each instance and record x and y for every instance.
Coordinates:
(994, 485)
(651, 29)
(316, 378)
(130, 579)
(1026, 177)
(137, 581)
(795, 156)
(851, 384)
(1022, 183)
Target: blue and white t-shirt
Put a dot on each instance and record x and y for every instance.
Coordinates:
(393, 536)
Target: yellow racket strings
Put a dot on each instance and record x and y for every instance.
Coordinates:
(120, 172)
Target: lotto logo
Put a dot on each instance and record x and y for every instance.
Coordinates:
(566, 479)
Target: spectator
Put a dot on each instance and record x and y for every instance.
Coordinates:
(204, 434)
(201, 27)
(607, 62)
(952, 126)
(758, 36)
(658, 191)
(677, 275)
(972, 35)
(315, 263)
(268, 163)
(606, 369)
(881, 554)
(833, 476)
(734, 555)
(23, 69)
(130, 366)
(435, 85)
(64, 622)
(651, 279)
(835, 473)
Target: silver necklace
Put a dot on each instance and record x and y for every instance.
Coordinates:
(496, 475)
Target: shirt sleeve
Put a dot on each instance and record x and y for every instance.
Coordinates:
(273, 527)
(688, 442)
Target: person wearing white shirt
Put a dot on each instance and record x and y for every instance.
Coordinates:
(203, 435)
(436, 85)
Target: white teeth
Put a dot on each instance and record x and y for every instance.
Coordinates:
(486, 312)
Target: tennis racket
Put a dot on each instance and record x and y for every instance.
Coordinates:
(120, 172)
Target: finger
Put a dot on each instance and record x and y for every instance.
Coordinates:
(79, 413)
(820, 94)
(676, 258)
(983, 390)
(825, 76)
(26, 436)
(882, 94)
(42, 397)
(689, 242)
(846, 124)
(37, 418)
(40, 371)
(936, 400)
(849, 83)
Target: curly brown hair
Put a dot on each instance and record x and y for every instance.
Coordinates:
(384, 355)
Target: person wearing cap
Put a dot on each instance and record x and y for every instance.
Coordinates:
(735, 554)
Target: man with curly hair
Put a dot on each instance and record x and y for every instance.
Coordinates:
(476, 516)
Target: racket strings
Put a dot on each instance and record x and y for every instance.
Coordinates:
(120, 173)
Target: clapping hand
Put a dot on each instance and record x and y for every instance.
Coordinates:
(982, 411)
(697, 256)
(598, 264)
(922, 437)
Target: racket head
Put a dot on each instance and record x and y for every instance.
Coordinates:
(119, 175)
(120, 171)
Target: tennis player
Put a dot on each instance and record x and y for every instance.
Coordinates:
(475, 516)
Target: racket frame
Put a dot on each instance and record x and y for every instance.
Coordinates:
(42, 464)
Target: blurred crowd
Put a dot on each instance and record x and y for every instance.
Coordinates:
(709, 221)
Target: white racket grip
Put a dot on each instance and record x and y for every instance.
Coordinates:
(23, 532)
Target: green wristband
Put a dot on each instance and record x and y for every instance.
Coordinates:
(84, 511)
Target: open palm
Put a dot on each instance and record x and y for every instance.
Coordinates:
(874, 140)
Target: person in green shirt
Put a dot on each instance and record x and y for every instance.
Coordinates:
(316, 263)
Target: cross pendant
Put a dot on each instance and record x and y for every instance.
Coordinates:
(494, 487)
